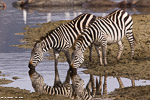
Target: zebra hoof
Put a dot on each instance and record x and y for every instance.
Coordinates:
(31, 67)
(73, 71)
(118, 60)
(105, 64)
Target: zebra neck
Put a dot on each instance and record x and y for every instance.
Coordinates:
(86, 41)
(47, 44)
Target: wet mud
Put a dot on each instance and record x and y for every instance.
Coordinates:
(136, 68)
(16, 93)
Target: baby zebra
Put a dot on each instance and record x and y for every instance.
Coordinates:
(60, 39)
(108, 30)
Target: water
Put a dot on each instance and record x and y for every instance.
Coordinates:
(14, 61)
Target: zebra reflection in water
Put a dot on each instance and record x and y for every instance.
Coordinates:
(75, 90)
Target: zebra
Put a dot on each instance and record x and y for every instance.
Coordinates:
(106, 30)
(60, 39)
(64, 89)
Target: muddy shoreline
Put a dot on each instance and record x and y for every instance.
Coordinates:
(137, 68)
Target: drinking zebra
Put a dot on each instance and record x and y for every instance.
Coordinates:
(108, 30)
(74, 90)
(60, 39)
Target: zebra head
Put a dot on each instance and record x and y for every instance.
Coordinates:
(36, 55)
(77, 58)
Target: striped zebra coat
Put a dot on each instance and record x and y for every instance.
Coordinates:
(107, 30)
(60, 39)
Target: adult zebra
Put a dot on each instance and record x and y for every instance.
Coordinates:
(60, 39)
(107, 30)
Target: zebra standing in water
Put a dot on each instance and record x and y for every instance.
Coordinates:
(74, 90)
(60, 39)
(107, 30)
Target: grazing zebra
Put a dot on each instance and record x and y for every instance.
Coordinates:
(66, 89)
(60, 39)
(108, 30)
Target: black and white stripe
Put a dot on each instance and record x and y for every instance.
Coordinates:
(106, 30)
(63, 90)
(60, 39)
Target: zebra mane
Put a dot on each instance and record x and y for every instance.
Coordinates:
(112, 13)
(43, 37)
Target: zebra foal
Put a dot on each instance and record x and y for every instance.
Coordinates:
(60, 39)
(107, 30)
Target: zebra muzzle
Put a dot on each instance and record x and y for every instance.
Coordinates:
(31, 66)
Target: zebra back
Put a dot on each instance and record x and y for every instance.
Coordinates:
(64, 35)
(83, 21)
(121, 18)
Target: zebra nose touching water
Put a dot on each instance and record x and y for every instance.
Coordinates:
(60, 39)
(106, 30)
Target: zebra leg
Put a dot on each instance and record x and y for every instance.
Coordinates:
(99, 53)
(99, 85)
(120, 82)
(104, 48)
(91, 85)
(105, 85)
(57, 78)
(67, 56)
(90, 52)
(120, 49)
(131, 41)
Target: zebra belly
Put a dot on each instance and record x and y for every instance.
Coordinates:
(111, 40)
